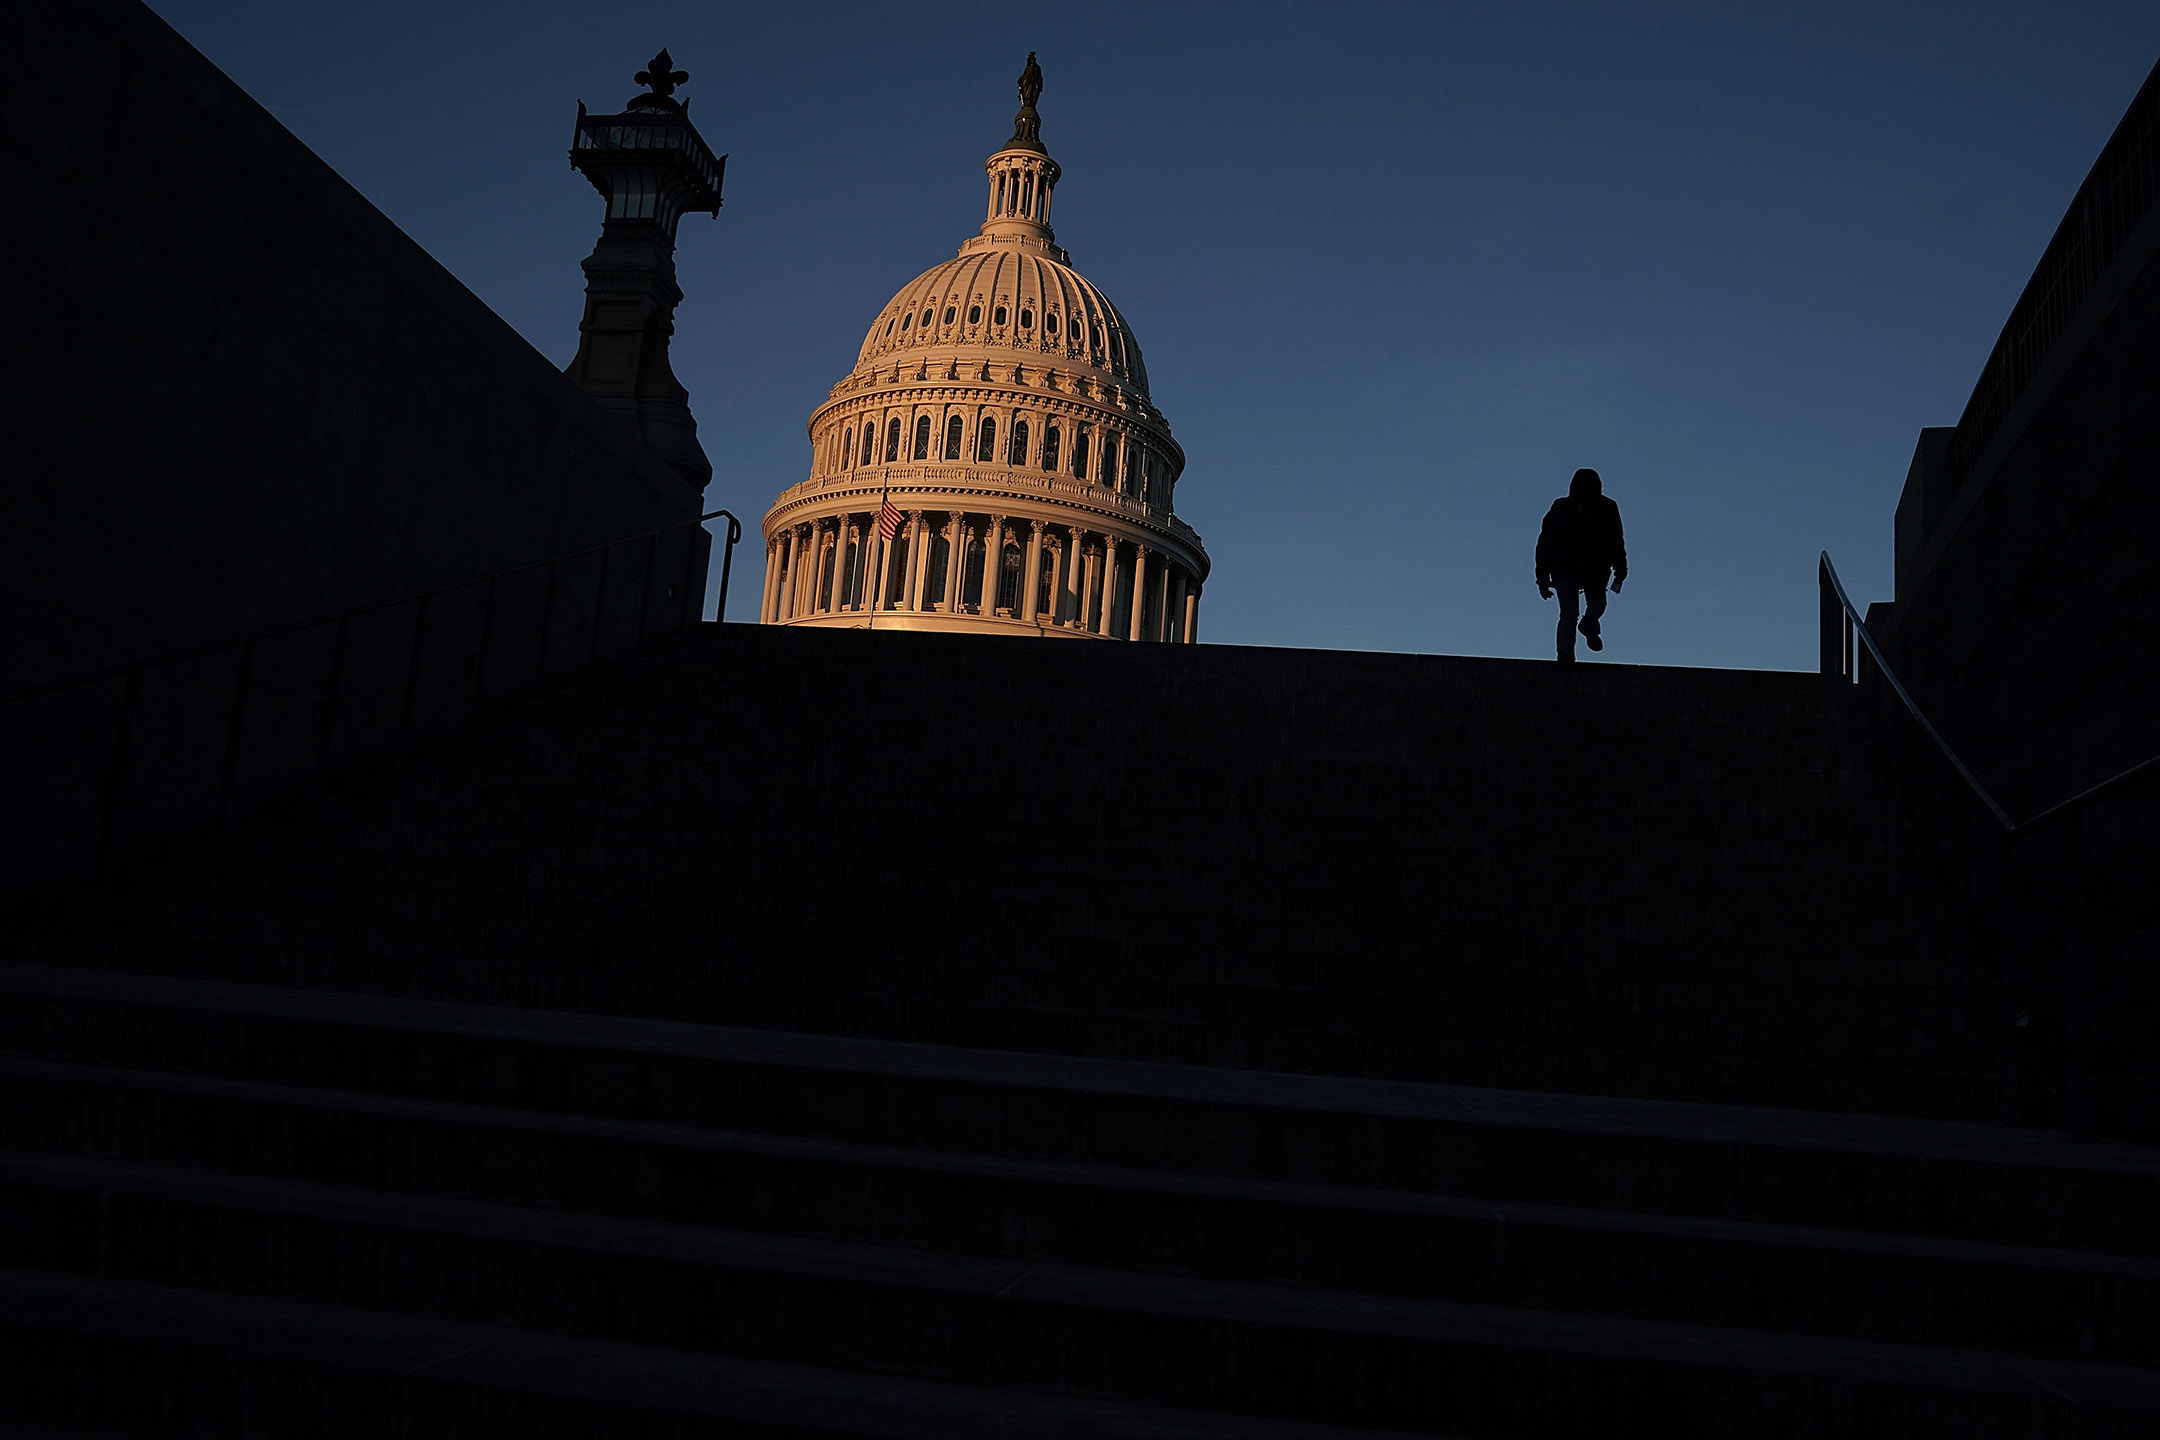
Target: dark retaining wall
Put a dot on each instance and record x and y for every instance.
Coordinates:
(239, 398)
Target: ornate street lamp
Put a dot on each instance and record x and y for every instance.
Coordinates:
(652, 167)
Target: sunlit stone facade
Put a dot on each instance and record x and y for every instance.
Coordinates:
(1001, 401)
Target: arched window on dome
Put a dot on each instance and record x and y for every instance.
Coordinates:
(1019, 443)
(1001, 195)
(1050, 447)
(869, 442)
(1148, 470)
(954, 432)
(974, 314)
(933, 594)
(1080, 454)
(922, 437)
(928, 312)
(892, 440)
(1046, 593)
(986, 441)
(907, 320)
(1010, 561)
(950, 312)
(971, 575)
(997, 317)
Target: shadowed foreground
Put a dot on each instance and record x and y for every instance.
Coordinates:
(820, 1033)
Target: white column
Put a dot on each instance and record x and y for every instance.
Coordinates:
(785, 601)
(1160, 632)
(993, 563)
(772, 571)
(839, 565)
(918, 559)
(1192, 616)
(955, 560)
(1030, 586)
(1108, 584)
(1068, 575)
(1139, 592)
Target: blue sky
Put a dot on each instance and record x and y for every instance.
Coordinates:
(1397, 269)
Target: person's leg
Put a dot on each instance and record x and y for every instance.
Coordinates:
(1593, 612)
(1570, 593)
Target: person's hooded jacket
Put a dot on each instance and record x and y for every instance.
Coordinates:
(1581, 539)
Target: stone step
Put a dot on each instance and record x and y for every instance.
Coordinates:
(840, 1211)
(95, 1056)
(1083, 1337)
(158, 1360)
(1736, 1055)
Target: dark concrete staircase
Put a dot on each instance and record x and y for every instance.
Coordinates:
(836, 1034)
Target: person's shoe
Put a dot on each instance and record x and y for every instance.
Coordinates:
(1591, 633)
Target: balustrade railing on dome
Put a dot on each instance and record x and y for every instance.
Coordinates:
(1021, 481)
(168, 744)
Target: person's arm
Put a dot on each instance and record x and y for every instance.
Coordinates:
(1544, 562)
(1619, 551)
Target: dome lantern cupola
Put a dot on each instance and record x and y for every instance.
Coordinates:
(1022, 175)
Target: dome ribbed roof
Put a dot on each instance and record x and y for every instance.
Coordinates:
(987, 292)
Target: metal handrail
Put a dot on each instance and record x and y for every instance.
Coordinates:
(195, 652)
(1838, 658)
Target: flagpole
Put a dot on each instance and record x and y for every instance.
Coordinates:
(878, 597)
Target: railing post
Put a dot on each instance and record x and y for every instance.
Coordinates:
(229, 770)
(329, 701)
(652, 551)
(487, 638)
(547, 622)
(727, 560)
(599, 608)
(1832, 615)
(412, 668)
(116, 767)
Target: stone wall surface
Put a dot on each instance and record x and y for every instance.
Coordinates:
(815, 1032)
(2029, 641)
(2025, 625)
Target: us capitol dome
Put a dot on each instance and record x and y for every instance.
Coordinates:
(999, 406)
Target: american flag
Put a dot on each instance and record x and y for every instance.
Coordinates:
(888, 522)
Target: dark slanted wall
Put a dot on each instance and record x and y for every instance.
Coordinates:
(2028, 536)
(241, 398)
(2026, 624)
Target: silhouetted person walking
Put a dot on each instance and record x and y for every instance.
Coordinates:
(1578, 548)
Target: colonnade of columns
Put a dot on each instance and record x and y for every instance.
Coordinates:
(1069, 575)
